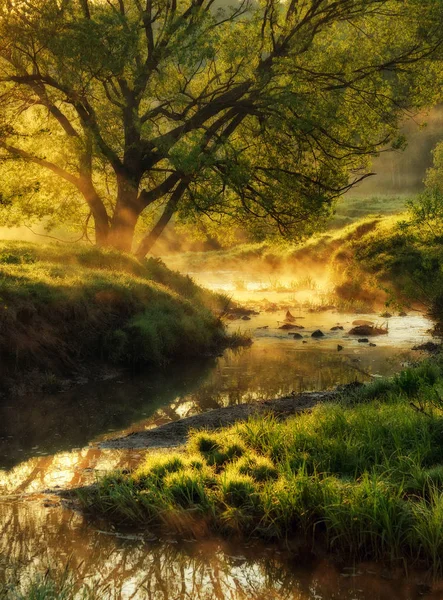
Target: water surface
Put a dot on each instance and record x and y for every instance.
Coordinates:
(47, 443)
(127, 566)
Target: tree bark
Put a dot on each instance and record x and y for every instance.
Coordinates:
(122, 230)
(101, 228)
(98, 210)
(127, 212)
(149, 240)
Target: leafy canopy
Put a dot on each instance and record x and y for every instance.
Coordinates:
(127, 113)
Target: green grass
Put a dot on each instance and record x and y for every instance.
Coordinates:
(52, 584)
(396, 257)
(351, 209)
(62, 307)
(362, 477)
(262, 256)
(351, 217)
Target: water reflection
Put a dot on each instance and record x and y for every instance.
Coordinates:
(274, 366)
(64, 470)
(57, 422)
(43, 445)
(128, 567)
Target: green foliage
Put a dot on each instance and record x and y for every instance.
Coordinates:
(62, 307)
(363, 478)
(221, 117)
(406, 256)
(426, 212)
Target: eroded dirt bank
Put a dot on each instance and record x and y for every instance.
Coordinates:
(175, 433)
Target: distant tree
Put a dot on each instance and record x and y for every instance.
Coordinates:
(260, 114)
(426, 209)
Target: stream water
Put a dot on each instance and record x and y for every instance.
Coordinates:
(48, 443)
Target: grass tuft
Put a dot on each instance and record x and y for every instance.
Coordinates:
(260, 468)
(237, 490)
(362, 476)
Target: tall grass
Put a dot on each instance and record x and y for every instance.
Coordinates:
(363, 476)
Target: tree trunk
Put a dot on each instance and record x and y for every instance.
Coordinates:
(127, 212)
(121, 235)
(101, 227)
(98, 211)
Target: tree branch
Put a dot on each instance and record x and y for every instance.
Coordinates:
(149, 240)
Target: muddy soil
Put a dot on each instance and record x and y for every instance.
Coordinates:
(175, 433)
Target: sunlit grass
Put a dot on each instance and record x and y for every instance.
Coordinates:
(363, 476)
(354, 218)
(61, 307)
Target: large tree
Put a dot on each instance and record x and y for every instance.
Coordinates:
(260, 113)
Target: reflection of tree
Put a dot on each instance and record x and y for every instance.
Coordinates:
(134, 569)
(64, 421)
(264, 371)
(64, 470)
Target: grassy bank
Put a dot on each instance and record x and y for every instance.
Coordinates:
(65, 307)
(396, 257)
(351, 209)
(361, 477)
(267, 257)
(351, 214)
(385, 258)
(336, 257)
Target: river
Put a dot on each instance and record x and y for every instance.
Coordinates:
(48, 443)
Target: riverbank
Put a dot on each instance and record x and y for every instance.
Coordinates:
(175, 433)
(361, 476)
(67, 311)
(376, 262)
(328, 268)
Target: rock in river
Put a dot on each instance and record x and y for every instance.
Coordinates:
(318, 334)
(360, 322)
(368, 330)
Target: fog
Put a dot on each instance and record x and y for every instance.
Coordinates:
(402, 172)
